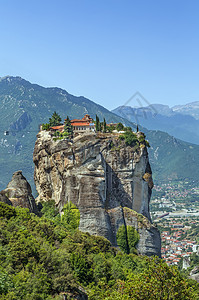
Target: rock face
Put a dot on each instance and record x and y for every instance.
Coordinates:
(19, 193)
(194, 274)
(22, 122)
(4, 198)
(103, 177)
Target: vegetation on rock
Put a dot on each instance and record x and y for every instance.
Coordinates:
(68, 129)
(55, 120)
(129, 137)
(46, 126)
(110, 128)
(97, 123)
(127, 238)
(70, 217)
(104, 126)
(119, 126)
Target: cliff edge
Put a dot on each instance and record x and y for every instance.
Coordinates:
(108, 181)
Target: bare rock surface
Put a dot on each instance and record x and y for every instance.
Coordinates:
(195, 277)
(19, 192)
(194, 274)
(4, 198)
(103, 177)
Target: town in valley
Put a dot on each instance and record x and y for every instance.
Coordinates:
(175, 209)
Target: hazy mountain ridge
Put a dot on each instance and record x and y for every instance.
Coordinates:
(180, 121)
(191, 109)
(24, 106)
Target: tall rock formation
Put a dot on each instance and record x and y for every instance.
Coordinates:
(108, 181)
(19, 193)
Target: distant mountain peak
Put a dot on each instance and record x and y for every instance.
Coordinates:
(191, 109)
(188, 105)
(13, 79)
(8, 78)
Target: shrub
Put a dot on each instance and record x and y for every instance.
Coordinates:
(50, 211)
(110, 128)
(70, 216)
(45, 126)
(127, 238)
(130, 138)
(119, 127)
(7, 211)
(141, 139)
(147, 144)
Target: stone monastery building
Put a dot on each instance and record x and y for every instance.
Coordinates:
(84, 124)
(79, 125)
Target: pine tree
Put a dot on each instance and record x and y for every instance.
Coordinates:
(100, 126)
(55, 120)
(104, 125)
(97, 124)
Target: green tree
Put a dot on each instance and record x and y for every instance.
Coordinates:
(158, 282)
(81, 268)
(154, 282)
(31, 285)
(68, 128)
(70, 216)
(129, 137)
(132, 237)
(127, 238)
(122, 240)
(55, 120)
(45, 126)
(110, 128)
(104, 126)
(5, 281)
(7, 211)
(97, 124)
(127, 129)
(120, 127)
(50, 211)
(102, 267)
(100, 126)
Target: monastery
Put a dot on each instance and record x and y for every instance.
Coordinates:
(79, 125)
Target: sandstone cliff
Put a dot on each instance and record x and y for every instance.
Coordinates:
(107, 180)
(19, 193)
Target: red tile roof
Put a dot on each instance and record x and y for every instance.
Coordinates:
(80, 124)
(86, 121)
(57, 127)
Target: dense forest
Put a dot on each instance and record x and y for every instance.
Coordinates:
(47, 257)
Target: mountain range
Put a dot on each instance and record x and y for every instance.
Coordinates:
(180, 121)
(23, 106)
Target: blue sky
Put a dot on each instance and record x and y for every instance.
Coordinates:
(104, 50)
